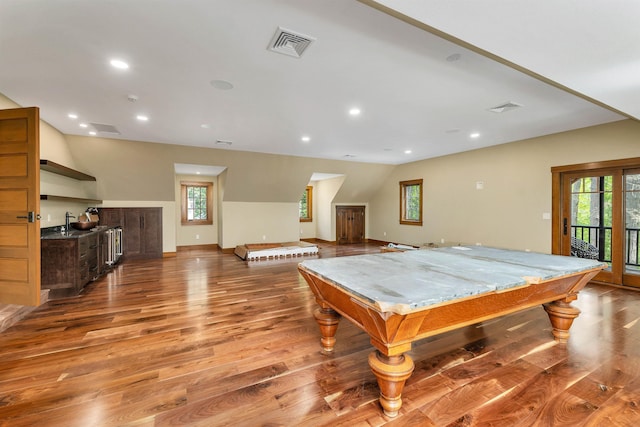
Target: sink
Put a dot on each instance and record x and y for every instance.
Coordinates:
(87, 225)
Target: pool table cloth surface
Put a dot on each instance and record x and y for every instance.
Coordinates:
(401, 282)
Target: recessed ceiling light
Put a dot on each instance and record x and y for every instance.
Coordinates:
(142, 118)
(93, 133)
(205, 126)
(454, 57)
(355, 111)
(72, 116)
(83, 125)
(349, 156)
(306, 138)
(407, 151)
(474, 135)
(223, 142)
(221, 84)
(119, 64)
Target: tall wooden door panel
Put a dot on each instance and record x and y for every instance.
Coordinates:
(132, 232)
(20, 206)
(152, 231)
(349, 224)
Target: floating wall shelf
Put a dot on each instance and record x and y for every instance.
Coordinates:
(68, 199)
(49, 166)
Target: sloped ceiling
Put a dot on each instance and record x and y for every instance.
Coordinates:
(200, 71)
(588, 47)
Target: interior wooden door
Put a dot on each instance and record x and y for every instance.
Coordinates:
(20, 206)
(350, 221)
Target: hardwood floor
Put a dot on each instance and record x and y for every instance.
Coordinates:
(206, 339)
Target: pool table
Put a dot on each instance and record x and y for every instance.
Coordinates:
(402, 297)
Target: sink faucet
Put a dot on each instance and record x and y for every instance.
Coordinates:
(66, 217)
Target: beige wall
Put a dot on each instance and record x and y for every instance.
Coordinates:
(222, 180)
(53, 146)
(508, 212)
(133, 170)
(326, 211)
(259, 222)
(259, 193)
(187, 235)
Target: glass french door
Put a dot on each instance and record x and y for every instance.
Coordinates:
(597, 216)
(589, 219)
(631, 274)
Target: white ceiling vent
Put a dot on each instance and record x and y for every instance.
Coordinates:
(507, 106)
(289, 42)
(102, 128)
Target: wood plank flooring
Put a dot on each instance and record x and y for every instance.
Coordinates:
(206, 339)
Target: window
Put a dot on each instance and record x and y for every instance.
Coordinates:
(411, 202)
(306, 205)
(197, 203)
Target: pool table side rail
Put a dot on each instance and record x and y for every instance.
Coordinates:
(392, 333)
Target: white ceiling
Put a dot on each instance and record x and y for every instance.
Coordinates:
(413, 96)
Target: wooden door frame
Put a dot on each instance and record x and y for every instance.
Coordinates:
(560, 244)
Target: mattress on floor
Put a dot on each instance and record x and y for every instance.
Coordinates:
(251, 251)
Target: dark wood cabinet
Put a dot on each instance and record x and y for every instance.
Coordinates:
(68, 264)
(103, 249)
(141, 230)
(349, 224)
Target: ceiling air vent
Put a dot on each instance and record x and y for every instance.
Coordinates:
(289, 42)
(102, 128)
(507, 106)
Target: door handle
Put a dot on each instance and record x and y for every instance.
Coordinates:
(564, 226)
(30, 217)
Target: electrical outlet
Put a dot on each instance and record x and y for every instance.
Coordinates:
(197, 236)
(264, 237)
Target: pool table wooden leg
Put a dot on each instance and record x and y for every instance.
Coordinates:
(392, 372)
(561, 314)
(328, 320)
